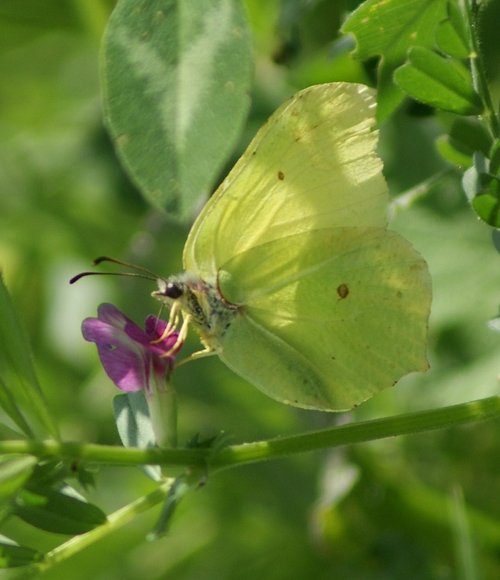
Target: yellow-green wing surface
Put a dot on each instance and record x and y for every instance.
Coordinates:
(312, 165)
(330, 317)
(332, 307)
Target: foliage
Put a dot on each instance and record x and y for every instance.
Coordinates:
(176, 79)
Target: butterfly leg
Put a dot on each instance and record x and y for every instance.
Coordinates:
(198, 354)
(207, 351)
(172, 324)
(173, 320)
(181, 337)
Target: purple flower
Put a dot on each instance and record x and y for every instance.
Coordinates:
(131, 357)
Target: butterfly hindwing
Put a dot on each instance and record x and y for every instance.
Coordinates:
(339, 323)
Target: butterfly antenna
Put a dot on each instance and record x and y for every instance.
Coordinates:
(140, 271)
(101, 259)
(128, 274)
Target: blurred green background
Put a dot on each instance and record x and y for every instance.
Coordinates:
(424, 506)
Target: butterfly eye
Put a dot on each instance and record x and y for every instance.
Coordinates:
(173, 290)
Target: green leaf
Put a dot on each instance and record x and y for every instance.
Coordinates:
(14, 472)
(494, 155)
(451, 35)
(176, 76)
(487, 203)
(437, 81)
(7, 432)
(471, 135)
(483, 190)
(388, 28)
(472, 178)
(49, 473)
(12, 555)
(466, 136)
(57, 512)
(453, 154)
(133, 421)
(20, 394)
(176, 493)
(134, 426)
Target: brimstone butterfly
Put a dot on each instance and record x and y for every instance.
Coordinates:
(292, 278)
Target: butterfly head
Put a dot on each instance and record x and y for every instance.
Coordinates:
(169, 289)
(187, 292)
(209, 313)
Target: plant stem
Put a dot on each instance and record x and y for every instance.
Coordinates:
(234, 455)
(404, 424)
(409, 197)
(114, 521)
(108, 454)
(465, 549)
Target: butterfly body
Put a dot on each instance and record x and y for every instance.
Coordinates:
(209, 313)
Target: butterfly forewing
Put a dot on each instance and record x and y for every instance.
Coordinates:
(313, 165)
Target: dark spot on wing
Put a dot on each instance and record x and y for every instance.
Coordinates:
(343, 291)
(281, 175)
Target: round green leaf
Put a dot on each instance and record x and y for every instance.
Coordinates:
(176, 76)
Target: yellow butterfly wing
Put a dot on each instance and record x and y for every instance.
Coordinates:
(330, 317)
(312, 165)
(332, 307)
